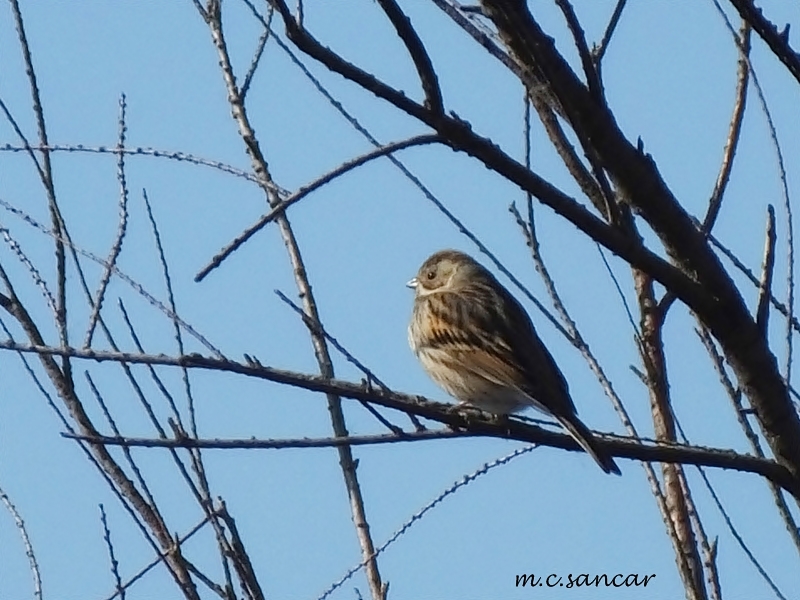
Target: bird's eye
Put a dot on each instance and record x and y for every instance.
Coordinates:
(430, 275)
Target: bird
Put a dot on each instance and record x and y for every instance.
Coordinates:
(477, 342)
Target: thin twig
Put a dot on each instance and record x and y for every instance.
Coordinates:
(26, 542)
(280, 208)
(600, 50)
(747, 272)
(262, 43)
(416, 517)
(111, 555)
(127, 279)
(271, 444)
(160, 557)
(317, 329)
(739, 540)
(767, 269)
(17, 250)
(126, 451)
(734, 132)
(140, 151)
(46, 172)
(116, 246)
(579, 37)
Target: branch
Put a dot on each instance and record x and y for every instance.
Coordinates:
(473, 421)
(767, 269)
(589, 68)
(338, 424)
(778, 42)
(734, 132)
(415, 47)
(459, 135)
(600, 51)
(639, 183)
(280, 208)
(271, 444)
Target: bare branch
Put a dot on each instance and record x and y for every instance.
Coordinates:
(460, 136)
(443, 413)
(111, 554)
(26, 542)
(262, 43)
(130, 281)
(600, 51)
(122, 226)
(272, 444)
(346, 461)
(767, 269)
(734, 132)
(141, 151)
(280, 208)
(777, 41)
(416, 49)
(735, 396)
(415, 518)
(593, 81)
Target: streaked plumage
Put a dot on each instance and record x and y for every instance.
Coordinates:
(477, 342)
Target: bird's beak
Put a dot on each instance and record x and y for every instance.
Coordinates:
(413, 283)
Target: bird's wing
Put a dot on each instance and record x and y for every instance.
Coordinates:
(501, 345)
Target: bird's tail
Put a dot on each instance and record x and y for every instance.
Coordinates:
(586, 440)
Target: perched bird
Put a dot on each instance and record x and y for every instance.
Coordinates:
(477, 342)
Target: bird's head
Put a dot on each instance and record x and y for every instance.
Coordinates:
(445, 270)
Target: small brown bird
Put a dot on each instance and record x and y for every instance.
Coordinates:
(477, 342)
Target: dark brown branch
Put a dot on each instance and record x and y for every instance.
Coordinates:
(767, 269)
(640, 184)
(589, 69)
(777, 41)
(415, 47)
(446, 414)
(472, 424)
(734, 132)
(304, 191)
(272, 444)
(600, 51)
(459, 135)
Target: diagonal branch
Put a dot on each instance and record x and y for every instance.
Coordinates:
(640, 184)
(447, 414)
(777, 41)
(767, 270)
(589, 69)
(304, 191)
(600, 51)
(459, 135)
(415, 47)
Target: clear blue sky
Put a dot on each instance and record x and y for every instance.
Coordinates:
(670, 77)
